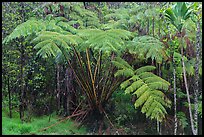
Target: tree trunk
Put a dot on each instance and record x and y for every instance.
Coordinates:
(85, 5)
(68, 90)
(158, 123)
(175, 111)
(197, 77)
(58, 88)
(22, 49)
(187, 92)
(9, 92)
(147, 29)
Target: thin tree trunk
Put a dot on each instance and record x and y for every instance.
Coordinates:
(69, 90)
(58, 88)
(147, 29)
(9, 92)
(21, 93)
(175, 111)
(197, 77)
(158, 123)
(158, 129)
(187, 92)
(85, 5)
(21, 106)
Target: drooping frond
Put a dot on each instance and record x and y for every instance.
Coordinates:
(53, 43)
(149, 47)
(105, 41)
(118, 14)
(25, 29)
(148, 87)
(67, 27)
(34, 26)
(120, 63)
(52, 36)
(145, 69)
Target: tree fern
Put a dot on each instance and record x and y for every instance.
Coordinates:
(147, 87)
(51, 36)
(25, 29)
(105, 41)
(149, 47)
(51, 43)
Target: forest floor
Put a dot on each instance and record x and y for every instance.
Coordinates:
(13, 126)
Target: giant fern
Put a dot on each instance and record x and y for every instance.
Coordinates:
(51, 36)
(105, 41)
(147, 86)
(147, 47)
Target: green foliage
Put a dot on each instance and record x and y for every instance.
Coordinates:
(25, 29)
(147, 47)
(52, 43)
(178, 14)
(15, 127)
(200, 108)
(105, 41)
(148, 88)
(182, 119)
(50, 39)
(124, 111)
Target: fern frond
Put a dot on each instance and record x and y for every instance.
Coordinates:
(120, 63)
(158, 85)
(25, 29)
(53, 43)
(148, 89)
(142, 88)
(106, 41)
(148, 46)
(124, 84)
(144, 69)
(124, 72)
(142, 99)
(67, 27)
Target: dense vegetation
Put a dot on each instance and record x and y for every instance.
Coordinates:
(102, 68)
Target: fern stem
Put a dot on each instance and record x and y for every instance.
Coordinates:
(89, 67)
(83, 78)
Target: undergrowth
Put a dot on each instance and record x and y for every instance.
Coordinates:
(13, 126)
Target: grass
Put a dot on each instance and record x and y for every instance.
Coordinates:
(13, 126)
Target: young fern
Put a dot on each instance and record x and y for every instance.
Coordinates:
(146, 86)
